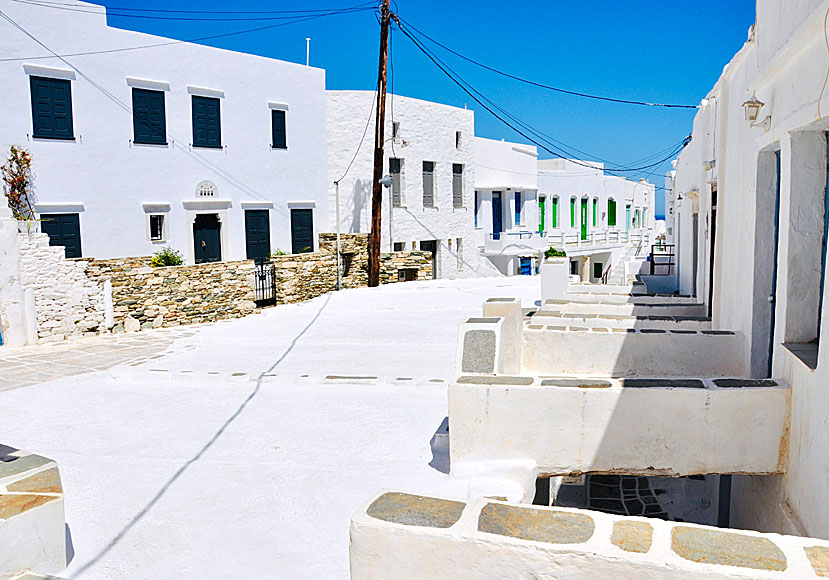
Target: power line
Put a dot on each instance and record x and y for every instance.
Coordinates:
(480, 98)
(360, 145)
(115, 13)
(352, 10)
(49, 3)
(543, 86)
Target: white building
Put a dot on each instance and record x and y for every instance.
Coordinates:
(218, 154)
(750, 221)
(525, 206)
(429, 154)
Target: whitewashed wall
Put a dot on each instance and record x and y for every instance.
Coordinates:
(109, 179)
(427, 132)
(784, 62)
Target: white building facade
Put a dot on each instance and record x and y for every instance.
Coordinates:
(525, 206)
(750, 221)
(429, 155)
(217, 154)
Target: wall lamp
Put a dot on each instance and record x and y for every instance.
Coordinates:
(385, 181)
(752, 108)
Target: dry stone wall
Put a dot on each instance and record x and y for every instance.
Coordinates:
(145, 297)
(67, 302)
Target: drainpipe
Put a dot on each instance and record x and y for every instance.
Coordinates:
(337, 218)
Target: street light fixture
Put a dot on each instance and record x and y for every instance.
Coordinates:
(752, 108)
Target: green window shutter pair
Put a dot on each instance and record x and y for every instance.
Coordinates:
(611, 212)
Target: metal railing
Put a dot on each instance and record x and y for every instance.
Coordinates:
(264, 282)
(661, 250)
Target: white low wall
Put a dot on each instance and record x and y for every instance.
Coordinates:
(627, 309)
(32, 525)
(628, 353)
(582, 320)
(400, 537)
(605, 427)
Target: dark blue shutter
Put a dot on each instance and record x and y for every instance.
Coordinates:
(207, 128)
(148, 118)
(280, 140)
(51, 108)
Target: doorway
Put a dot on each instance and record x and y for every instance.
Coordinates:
(207, 236)
(542, 214)
(302, 231)
(497, 216)
(584, 218)
(712, 250)
(431, 246)
(64, 229)
(257, 233)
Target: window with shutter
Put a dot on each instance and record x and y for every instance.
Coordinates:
(595, 212)
(518, 208)
(457, 185)
(394, 171)
(280, 140)
(207, 128)
(555, 212)
(428, 184)
(148, 120)
(572, 212)
(51, 108)
(611, 212)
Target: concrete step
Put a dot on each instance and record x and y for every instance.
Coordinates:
(629, 309)
(575, 319)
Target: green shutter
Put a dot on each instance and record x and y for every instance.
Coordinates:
(595, 212)
(611, 212)
(572, 212)
(555, 212)
(51, 108)
(149, 124)
(207, 128)
(280, 140)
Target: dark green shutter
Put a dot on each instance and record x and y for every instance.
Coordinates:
(148, 117)
(280, 140)
(51, 108)
(207, 126)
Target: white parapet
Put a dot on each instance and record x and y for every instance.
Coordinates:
(397, 536)
(633, 426)
(556, 350)
(32, 525)
(555, 277)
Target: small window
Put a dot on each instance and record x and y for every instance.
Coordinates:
(459, 250)
(574, 268)
(280, 140)
(517, 208)
(207, 126)
(457, 185)
(598, 269)
(148, 119)
(394, 170)
(476, 207)
(51, 108)
(428, 184)
(395, 129)
(399, 246)
(458, 139)
(407, 274)
(157, 228)
(595, 212)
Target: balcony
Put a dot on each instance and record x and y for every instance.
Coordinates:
(521, 242)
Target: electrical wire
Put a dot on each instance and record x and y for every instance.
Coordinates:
(112, 12)
(500, 113)
(543, 86)
(352, 10)
(360, 145)
(48, 3)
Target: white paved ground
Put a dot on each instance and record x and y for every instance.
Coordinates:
(183, 465)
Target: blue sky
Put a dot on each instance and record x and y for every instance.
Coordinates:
(649, 50)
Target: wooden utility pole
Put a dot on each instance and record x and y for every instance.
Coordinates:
(379, 138)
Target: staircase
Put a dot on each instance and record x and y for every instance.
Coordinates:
(617, 273)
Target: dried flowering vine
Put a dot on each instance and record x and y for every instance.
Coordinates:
(17, 183)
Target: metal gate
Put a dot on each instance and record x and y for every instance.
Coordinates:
(264, 282)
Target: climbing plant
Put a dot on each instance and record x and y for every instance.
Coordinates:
(17, 183)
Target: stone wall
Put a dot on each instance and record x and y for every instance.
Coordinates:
(146, 297)
(67, 302)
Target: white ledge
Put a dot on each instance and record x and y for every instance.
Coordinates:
(156, 206)
(49, 71)
(59, 207)
(302, 203)
(148, 84)
(208, 203)
(257, 205)
(518, 149)
(205, 92)
(277, 106)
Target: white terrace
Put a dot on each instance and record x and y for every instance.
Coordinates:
(596, 380)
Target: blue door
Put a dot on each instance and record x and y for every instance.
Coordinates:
(497, 216)
(257, 233)
(64, 229)
(526, 266)
(207, 238)
(302, 231)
